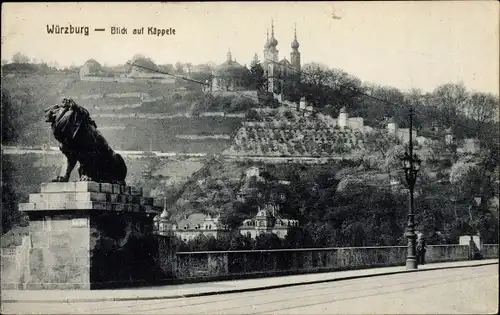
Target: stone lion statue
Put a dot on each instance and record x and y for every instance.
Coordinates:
(81, 142)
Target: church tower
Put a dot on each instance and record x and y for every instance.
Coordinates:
(266, 53)
(272, 62)
(295, 54)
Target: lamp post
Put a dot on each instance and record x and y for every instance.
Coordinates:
(411, 166)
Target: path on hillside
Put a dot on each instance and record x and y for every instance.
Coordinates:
(142, 154)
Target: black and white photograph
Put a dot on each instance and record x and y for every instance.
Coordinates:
(286, 157)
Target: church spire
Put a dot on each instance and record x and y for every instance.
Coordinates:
(266, 45)
(272, 41)
(295, 54)
(295, 43)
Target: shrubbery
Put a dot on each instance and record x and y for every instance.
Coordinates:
(297, 237)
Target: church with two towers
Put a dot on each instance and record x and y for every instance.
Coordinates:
(230, 75)
(274, 69)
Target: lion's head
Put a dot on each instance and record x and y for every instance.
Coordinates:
(54, 113)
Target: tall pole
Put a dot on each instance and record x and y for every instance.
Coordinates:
(411, 262)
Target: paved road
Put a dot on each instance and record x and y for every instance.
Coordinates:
(449, 291)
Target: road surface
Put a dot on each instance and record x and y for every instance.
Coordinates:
(449, 291)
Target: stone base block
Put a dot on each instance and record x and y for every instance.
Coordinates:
(87, 235)
(88, 196)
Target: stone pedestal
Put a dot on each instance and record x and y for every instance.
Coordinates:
(86, 235)
(474, 243)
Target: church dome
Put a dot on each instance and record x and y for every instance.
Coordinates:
(273, 42)
(295, 43)
(231, 68)
(164, 215)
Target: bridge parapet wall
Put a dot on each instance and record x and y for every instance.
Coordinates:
(489, 251)
(214, 265)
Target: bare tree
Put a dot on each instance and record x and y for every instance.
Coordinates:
(452, 100)
(483, 107)
(179, 67)
(20, 58)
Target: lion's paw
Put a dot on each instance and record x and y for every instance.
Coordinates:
(85, 178)
(59, 179)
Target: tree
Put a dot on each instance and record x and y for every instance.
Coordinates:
(179, 67)
(385, 102)
(169, 68)
(292, 88)
(268, 241)
(240, 242)
(256, 76)
(343, 90)
(297, 237)
(9, 198)
(482, 107)
(241, 104)
(382, 150)
(20, 58)
(203, 242)
(451, 99)
(19, 115)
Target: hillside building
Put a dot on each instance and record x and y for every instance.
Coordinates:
(230, 76)
(190, 226)
(268, 220)
(91, 68)
(402, 133)
(138, 69)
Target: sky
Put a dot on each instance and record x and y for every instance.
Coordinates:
(402, 44)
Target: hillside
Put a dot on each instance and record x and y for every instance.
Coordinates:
(288, 134)
(132, 116)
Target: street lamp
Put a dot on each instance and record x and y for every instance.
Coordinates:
(411, 166)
